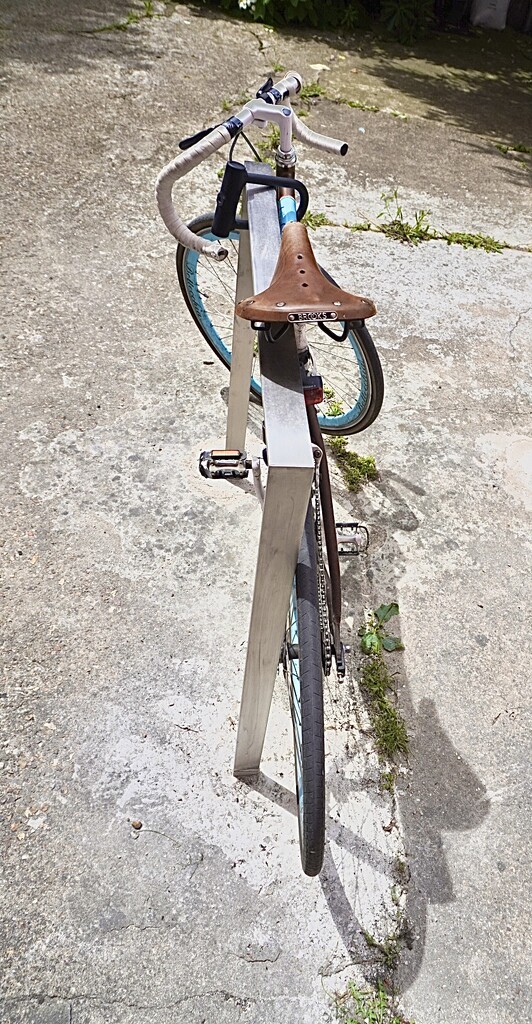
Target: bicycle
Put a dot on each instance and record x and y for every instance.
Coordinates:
(251, 282)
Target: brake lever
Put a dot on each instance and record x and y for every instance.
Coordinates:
(192, 139)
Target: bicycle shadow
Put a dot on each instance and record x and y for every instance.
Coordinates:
(440, 792)
(355, 847)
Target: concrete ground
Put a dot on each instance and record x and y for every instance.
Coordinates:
(127, 578)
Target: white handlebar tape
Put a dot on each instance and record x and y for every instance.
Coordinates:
(305, 134)
(176, 169)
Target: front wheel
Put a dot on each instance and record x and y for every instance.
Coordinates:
(351, 370)
(302, 662)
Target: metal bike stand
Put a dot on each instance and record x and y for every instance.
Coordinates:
(290, 473)
(241, 350)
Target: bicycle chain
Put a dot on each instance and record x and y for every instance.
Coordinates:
(322, 586)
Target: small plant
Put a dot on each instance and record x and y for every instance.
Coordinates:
(517, 147)
(406, 19)
(317, 220)
(131, 18)
(367, 1006)
(267, 146)
(387, 782)
(421, 230)
(469, 241)
(357, 104)
(278, 69)
(391, 738)
(397, 227)
(356, 469)
(388, 948)
(373, 634)
(311, 91)
(402, 871)
(333, 406)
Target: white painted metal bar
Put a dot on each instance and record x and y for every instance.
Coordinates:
(241, 350)
(290, 472)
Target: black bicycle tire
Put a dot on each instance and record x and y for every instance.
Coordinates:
(373, 365)
(312, 821)
(376, 376)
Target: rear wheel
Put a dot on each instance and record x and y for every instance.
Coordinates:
(302, 660)
(351, 370)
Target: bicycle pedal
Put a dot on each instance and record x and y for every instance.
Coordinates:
(352, 539)
(224, 464)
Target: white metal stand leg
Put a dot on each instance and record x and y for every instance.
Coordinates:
(290, 472)
(241, 352)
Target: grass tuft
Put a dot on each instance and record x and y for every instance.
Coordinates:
(318, 220)
(517, 147)
(391, 738)
(356, 469)
(368, 1006)
(387, 782)
(469, 241)
(312, 91)
(131, 18)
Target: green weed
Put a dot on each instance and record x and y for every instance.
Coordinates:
(517, 147)
(267, 146)
(389, 949)
(317, 220)
(357, 104)
(312, 91)
(356, 469)
(469, 241)
(391, 738)
(367, 1006)
(375, 637)
(131, 18)
(397, 227)
(387, 782)
(401, 870)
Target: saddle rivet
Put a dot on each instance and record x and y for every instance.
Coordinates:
(337, 303)
(280, 303)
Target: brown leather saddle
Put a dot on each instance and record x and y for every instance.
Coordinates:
(299, 292)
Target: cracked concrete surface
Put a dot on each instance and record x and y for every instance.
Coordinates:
(128, 577)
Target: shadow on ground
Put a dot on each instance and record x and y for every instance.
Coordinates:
(441, 793)
(479, 82)
(70, 35)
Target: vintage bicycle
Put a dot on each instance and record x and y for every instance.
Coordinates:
(297, 343)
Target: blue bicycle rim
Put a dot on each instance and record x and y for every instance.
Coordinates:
(295, 701)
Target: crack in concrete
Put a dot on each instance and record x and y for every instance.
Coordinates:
(139, 927)
(258, 959)
(40, 997)
(514, 328)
